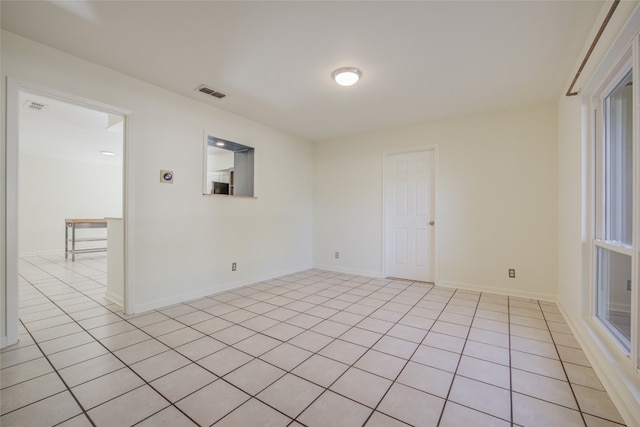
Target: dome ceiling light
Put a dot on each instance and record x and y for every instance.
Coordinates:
(346, 76)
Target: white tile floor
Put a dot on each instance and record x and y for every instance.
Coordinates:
(315, 348)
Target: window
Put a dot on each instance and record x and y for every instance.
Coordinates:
(613, 298)
(614, 215)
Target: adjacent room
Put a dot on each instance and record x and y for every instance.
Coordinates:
(70, 183)
(320, 213)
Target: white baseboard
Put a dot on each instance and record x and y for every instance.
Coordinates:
(40, 253)
(450, 284)
(337, 269)
(116, 299)
(543, 296)
(5, 342)
(613, 369)
(209, 290)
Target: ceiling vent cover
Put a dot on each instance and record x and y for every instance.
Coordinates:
(209, 91)
(32, 105)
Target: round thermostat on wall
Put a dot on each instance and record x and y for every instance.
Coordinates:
(166, 177)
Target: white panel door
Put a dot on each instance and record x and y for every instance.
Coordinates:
(410, 216)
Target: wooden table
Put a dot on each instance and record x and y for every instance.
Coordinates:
(74, 224)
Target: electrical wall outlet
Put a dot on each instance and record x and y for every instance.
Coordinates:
(337, 255)
(512, 273)
(234, 266)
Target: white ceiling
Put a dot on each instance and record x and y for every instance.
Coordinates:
(420, 60)
(62, 130)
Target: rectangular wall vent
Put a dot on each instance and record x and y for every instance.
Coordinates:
(32, 105)
(209, 91)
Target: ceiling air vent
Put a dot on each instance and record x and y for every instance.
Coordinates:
(32, 105)
(209, 91)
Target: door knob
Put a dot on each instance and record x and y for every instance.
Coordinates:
(431, 222)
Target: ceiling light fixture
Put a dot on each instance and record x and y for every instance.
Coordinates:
(107, 153)
(220, 144)
(346, 76)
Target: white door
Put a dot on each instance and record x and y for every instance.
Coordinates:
(410, 215)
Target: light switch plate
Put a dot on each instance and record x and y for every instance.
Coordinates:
(166, 177)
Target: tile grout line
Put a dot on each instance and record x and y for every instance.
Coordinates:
(345, 292)
(310, 329)
(555, 346)
(152, 337)
(510, 362)
(294, 419)
(253, 357)
(61, 379)
(289, 286)
(394, 381)
(392, 296)
(455, 373)
(114, 355)
(67, 284)
(356, 361)
(56, 303)
(227, 346)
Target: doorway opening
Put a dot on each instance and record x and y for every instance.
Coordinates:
(65, 161)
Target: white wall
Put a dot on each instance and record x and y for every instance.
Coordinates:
(573, 249)
(496, 201)
(217, 161)
(183, 243)
(54, 189)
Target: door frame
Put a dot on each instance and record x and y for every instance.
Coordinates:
(386, 155)
(9, 261)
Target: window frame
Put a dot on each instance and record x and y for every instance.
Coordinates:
(628, 61)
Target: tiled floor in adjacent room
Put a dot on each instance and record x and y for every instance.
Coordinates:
(315, 348)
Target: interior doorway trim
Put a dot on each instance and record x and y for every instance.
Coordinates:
(10, 255)
(386, 158)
